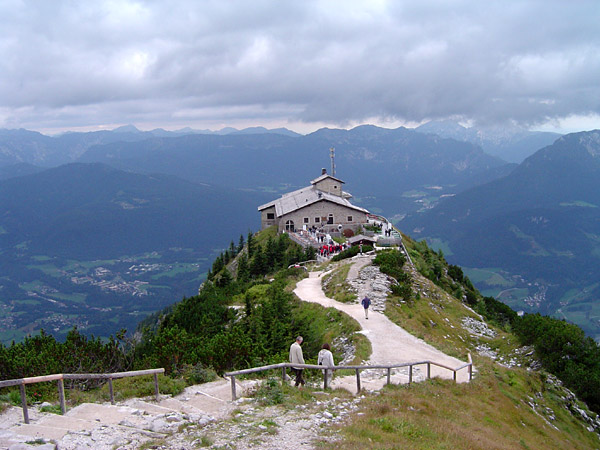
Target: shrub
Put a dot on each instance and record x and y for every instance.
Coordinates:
(351, 252)
(198, 374)
(270, 393)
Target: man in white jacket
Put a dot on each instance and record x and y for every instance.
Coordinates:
(296, 357)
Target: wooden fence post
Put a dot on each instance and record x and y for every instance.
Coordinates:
(470, 361)
(283, 374)
(233, 397)
(24, 403)
(111, 391)
(357, 381)
(61, 396)
(428, 370)
(410, 374)
(325, 377)
(454, 375)
(156, 392)
(389, 375)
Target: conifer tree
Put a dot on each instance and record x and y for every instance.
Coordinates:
(240, 246)
(243, 272)
(250, 242)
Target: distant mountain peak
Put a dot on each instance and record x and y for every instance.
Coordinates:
(127, 129)
(591, 142)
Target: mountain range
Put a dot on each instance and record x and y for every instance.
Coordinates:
(386, 170)
(511, 143)
(126, 193)
(31, 147)
(535, 231)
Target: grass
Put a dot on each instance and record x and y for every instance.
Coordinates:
(154, 443)
(333, 327)
(125, 388)
(435, 319)
(336, 286)
(289, 397)
(488, 413)
(53, 409)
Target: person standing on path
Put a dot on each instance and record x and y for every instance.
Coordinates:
(296, 357)
(325, 359)
(366, 302)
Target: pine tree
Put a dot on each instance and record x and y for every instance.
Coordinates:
(250, 242)
(243, 271)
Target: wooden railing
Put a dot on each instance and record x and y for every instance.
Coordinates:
(21, 382)
(357, 369)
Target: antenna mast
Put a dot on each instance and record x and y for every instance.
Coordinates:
(332, 155)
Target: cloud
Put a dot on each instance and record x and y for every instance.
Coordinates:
(69, 64)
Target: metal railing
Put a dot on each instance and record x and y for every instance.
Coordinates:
(21, 382)
(357, 369)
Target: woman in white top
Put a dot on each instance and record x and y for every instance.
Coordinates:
(326, 359)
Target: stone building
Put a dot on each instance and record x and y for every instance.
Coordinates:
(323, 205)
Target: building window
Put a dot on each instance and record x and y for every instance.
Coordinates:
(270, 216)
(317, 219)
(289, 225)
(330, 219)
(306, 220)
(349, 218)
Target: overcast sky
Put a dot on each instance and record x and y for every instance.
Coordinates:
(299, 64)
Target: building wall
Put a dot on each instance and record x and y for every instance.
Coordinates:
(265, 220)
(330, 186)
(322, 210)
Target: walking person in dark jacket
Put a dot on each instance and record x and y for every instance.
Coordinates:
(366, 302)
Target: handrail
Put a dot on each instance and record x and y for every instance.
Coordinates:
(357, 369)
(21, 382)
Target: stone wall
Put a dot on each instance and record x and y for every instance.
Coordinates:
(323, 209)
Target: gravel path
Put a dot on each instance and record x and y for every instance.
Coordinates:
(389, 342)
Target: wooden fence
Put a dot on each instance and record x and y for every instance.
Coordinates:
(21, 382)
(357, 369)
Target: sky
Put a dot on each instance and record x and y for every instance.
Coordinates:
(90, 65)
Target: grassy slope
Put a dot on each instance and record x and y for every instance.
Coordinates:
(502, 408)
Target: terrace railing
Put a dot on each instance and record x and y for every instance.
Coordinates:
(22, 382)
(388, 367)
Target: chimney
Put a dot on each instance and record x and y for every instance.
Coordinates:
(323, 171)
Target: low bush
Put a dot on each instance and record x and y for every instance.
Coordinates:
(351, 252)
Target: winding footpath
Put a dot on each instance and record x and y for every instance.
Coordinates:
(389, 342)
(183, 421)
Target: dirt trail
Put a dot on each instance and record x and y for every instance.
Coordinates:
(390, 343)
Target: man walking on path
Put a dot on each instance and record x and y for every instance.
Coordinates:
(366, 302)
(296, 357)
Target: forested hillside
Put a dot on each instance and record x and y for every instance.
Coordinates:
(533, 235)
(245, 315)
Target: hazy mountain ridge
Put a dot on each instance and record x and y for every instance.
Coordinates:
(24, 146)
(542, 221)
(44, 207)
(403, 160)
(97, 247)
(512, 144)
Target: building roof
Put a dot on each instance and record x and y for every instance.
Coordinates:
(323, 177)
(301, 198)
(359, 237)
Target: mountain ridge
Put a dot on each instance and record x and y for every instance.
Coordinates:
(541, 221)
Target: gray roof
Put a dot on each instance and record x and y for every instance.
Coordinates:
(324, 176)
(360, 237)
(301, 198)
